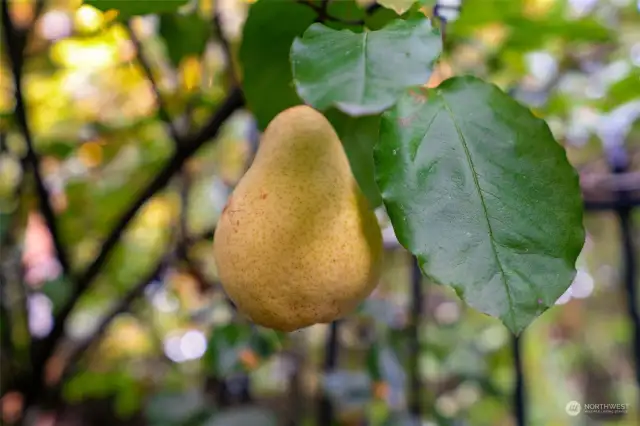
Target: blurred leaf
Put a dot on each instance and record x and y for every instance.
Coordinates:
(623, 91)
(174, 408)
(242, 416)
(239, 347)
(266, 342)
(128, 400)
(359, 135)
(87, 384)
(184, 35)
(57, 148)
(137, 7)
(373, 362)
(465, 176)
(264, 54)
(58, 291)
(363, 73)
(345, 11)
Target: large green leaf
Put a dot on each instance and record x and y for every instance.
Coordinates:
(477, 188)
(363, 73)
(137, 7)
(359, 135)
(269, 30)
(184, 35)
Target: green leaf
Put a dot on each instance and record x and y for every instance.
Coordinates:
(363, 73)
(128, 8)
(229, 342)
(477, 188)
(242, 416)
(359, 135)
(58, 291)
(184, 35)
(268, 33)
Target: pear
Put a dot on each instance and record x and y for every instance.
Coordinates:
(297, 243)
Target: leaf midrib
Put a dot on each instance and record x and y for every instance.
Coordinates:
(483, 203)
(364, 67)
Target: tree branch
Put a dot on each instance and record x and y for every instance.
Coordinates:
(15, 42)
(163, 111)
(191, 144)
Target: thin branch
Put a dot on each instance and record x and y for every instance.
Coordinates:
(233, 102)
(519, 393)
(163, 111)
(325, 411)
(15, 42)
(6, 340)
(3, 143)
(372, 8)
(39, 8)
(324, 8)
(224, 42)
(417, 311)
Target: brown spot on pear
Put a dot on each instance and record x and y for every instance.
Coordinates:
(310, 252)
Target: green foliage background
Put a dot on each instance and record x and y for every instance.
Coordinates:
(101, 139)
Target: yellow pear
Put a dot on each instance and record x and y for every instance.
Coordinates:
(297, 243)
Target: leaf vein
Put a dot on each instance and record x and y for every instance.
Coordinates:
(484, 206)
(364, 68)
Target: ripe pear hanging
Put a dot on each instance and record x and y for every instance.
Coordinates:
(297, 243)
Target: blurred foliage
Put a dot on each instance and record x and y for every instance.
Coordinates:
(96, 126)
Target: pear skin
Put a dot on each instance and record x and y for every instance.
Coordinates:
(297, 243)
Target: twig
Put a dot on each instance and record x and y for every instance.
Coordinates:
(163, 111)
(620, 162)
(519, 395)
(15, 42)
(233, 102)
(323, 9)
(5, 333)
(224, 42)
(325, 409)
(415, 385)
